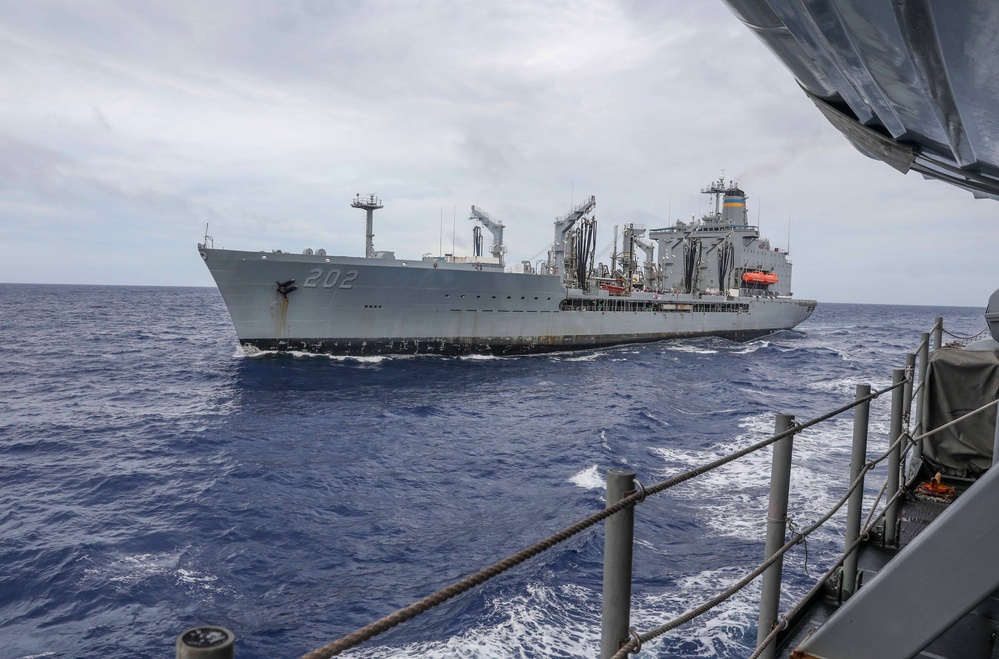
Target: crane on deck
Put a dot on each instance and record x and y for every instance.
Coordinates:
(495, 227)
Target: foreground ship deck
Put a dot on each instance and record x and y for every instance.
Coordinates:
(715, 277)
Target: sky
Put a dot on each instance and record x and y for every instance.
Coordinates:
(128, 127)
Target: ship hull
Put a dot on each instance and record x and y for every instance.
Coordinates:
(356, 306)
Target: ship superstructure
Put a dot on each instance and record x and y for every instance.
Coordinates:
(721, 253)
(712, 277)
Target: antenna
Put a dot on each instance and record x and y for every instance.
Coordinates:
(454, 215)
(440, 246)
(789, 233)
(369, 203)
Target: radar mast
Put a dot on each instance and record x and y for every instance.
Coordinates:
(370, 203)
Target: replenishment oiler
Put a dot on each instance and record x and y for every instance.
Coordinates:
(712, 277)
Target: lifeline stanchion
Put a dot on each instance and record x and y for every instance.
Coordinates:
(894, 458)
(855, 506)
(907, 389)
(921, 411)
(995, 441)
(619, 532)
(937, 333)
(780, 484)
(417, 608)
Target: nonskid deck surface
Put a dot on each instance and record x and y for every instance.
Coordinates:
(973, 635)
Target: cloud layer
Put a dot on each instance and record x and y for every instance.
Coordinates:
(126, 128)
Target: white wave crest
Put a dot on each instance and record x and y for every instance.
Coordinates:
(603, 439)
(732, 499)
(722, 627)
(543, 622)
(684, 347)
(586, 357)
(651, 417)
(588, 479)
(846, 385)
(129, 570)
(752, 347)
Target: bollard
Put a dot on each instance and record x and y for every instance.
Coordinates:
(937, 333)
(780, 483)
(894, 458)
(618, 538)
(855, 506)
(206, 642)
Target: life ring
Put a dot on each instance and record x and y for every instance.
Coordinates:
(435, 264)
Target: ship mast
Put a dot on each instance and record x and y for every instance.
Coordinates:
(717, 188)
(370, 203)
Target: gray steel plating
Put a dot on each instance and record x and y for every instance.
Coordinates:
(361, 306)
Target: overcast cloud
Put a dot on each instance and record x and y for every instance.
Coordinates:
(125, 127)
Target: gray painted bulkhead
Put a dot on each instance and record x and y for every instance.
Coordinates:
(909, 603)
(349, 305)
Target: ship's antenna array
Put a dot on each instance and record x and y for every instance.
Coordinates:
(370, 203)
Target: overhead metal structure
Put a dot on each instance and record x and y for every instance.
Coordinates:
(913, 83)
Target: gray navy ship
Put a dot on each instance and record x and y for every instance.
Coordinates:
(714, 276)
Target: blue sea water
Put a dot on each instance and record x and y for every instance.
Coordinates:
(153, 478)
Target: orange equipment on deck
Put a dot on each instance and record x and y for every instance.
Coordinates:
(758, 277)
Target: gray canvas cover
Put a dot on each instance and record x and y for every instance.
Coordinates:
(958, 382)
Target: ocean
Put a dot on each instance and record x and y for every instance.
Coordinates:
(153, 478)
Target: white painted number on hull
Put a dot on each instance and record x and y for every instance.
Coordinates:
(332, 277)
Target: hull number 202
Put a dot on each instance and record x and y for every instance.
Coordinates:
(331, 279)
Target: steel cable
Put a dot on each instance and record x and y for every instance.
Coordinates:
(964, 338)
(441, 596)
(797, 427)
(762, 567)
(784, 621)
(746, 580)
(402, 615)
(872, 518)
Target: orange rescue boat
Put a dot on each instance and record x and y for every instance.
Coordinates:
(758, 277)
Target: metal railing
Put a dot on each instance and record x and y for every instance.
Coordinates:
(625, 492)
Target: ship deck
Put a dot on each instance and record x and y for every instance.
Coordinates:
(973, 635)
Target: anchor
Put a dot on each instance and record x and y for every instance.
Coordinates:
(286, 288)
